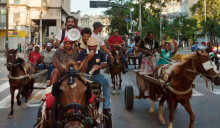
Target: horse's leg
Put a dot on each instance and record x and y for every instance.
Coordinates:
(18, 97)
(116, 81)
(28, 85)
(188, 108)
(162, 121)
(112, 86)
(12, 91)
(113, 81)
(171, 117)
(152, 108)
(120, 80)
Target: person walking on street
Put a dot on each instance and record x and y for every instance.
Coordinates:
(19, 48)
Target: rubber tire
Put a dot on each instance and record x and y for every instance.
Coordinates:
(54, 113)
(108, 122)
(168, 104)
(129, 97)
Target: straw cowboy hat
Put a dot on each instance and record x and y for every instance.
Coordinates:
(92, 42)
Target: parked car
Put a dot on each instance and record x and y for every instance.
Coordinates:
(197, 47)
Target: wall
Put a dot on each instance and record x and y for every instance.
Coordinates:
(54, 3)
(66, 5)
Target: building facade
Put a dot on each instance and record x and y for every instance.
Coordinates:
(24, 20)
(87, 21)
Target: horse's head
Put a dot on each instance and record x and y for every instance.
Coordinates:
(117, 55)
(11, 58)
(205, 67)
(72, 94)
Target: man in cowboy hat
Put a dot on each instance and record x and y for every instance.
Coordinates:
(114, 41)
(97, 61)
(46, 57)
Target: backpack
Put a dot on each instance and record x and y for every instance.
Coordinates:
(63, 35)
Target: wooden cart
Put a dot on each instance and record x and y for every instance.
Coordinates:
(143, 83)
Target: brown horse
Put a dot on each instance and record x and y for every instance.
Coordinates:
(181, 81)
(15, 68)
(116, 68)
(71, 96)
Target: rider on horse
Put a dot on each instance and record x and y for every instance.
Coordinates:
(114, 41)
(97, 61)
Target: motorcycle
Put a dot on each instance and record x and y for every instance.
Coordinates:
(214, 59)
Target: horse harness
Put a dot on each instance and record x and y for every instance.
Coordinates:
(76, 115)
(117, 66)
(167, 86)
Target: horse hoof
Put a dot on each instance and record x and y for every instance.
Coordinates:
(10, 116)
(112, 86)
(162, 121)
(151, 111)
(18, 103)
(113, 92)
(119, 87)
(24, 106)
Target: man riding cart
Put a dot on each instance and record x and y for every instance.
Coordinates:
(114, 41)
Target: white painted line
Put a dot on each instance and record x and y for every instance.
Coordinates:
(134, 87)
(215, 90)
(36, 100)
(4, 86)
(6, 102)
(196, 93)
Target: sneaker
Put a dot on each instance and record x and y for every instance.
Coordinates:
(48, 82)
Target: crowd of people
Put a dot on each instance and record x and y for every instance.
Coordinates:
(88, 45)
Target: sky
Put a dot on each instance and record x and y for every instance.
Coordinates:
(83, 6)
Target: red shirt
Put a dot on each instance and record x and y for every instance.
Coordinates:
(114, 40)
(34, 57)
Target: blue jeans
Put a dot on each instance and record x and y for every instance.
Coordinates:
(50, 69)
(105, 88)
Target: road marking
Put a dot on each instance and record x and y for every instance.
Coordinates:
(216, 91)
(36, 100)
(4, 79)
(196, 93)
(6, 102)
(4, 86)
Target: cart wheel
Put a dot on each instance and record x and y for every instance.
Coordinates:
(168, 104)
(108, 122)
(129, 97)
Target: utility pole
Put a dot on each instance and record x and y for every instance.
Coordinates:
(205, 21)
(41, 30)
(161, 18)
(140, 27)
(6, 37)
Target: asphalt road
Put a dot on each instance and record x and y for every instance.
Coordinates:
(205, 105)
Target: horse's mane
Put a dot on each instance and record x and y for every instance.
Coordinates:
(72, 63)
(179, 68)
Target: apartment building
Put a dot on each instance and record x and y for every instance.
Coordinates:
(24, 20)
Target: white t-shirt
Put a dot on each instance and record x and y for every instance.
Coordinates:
(59, 36)
(99, 38)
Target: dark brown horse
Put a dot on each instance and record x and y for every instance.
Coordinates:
(15, 68)
(71, 96)
(181, 81)
(116, 68)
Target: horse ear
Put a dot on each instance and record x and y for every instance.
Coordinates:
(83, 66)
(202, 51)
(59, 66)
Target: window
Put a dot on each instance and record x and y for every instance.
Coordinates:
(17, 1)
(43, 3)
(16, 17)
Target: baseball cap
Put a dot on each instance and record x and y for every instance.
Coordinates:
(115, 30)
(136, 32)
(66, 39)
(92, 42)
(98, 24)
(37, 46)
(49, 44)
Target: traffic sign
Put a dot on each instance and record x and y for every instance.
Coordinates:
(161, 17)
(127, 20)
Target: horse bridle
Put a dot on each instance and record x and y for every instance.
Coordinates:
(118, 52)
(76, 115)
(195, 71)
